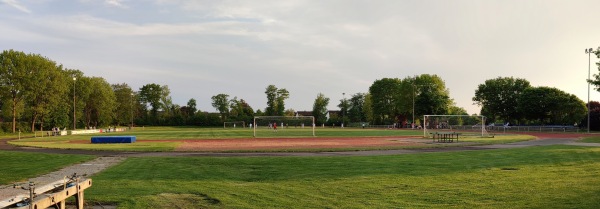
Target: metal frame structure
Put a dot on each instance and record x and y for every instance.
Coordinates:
(312, 118)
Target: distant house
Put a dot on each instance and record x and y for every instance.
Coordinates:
(304, 113)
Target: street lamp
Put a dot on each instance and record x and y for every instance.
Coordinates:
(131, 107)
(589, 52)
(343, 108)
(74, 123)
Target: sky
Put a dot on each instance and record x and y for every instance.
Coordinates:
(201, 48)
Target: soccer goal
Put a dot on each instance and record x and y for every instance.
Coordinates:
(283, 126)
(234, 124)
(466, 125)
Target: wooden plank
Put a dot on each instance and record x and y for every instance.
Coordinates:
(58, 198)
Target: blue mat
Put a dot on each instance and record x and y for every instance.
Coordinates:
(112, 139)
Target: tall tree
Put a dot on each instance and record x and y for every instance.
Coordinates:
(344, 105)
(150, 95)
(499, 97)
(551, 106)
(276, 100)
(13, 82)
(355, 109)
(191, 104)
(271, 92)
(432, 96)
(385, 97)
(125, 99)
(320, 109)
(99, 102)
(367, 109)
(282, 95)
(45, 90)
(221, 103)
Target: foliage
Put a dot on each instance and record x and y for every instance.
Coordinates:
(150, 95)
(385, 97)
(14, 81)
(320, 109)
(499, 97)
(432, 96)
(550, 106)
(125, 98)
(276, 100)
(221, 103)
(367, 108)
(594, 117)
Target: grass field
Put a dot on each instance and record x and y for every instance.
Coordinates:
(160, 136)
(594, 139)
(535, 177)
(19, 166)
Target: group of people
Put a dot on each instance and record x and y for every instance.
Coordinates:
(55, 131)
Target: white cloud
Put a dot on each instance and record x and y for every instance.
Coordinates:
(115, 3)
(16, 5)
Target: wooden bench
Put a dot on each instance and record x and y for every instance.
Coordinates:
(445, 137)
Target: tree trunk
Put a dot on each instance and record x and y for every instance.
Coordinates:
(14, 113)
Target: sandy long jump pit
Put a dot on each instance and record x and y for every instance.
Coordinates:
(294, 143)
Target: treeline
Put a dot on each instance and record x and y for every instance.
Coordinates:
(38, 94)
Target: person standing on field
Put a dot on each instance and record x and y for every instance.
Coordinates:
(275, 126)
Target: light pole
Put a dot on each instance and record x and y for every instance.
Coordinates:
(74, 123)
(343, 108)
(131, 107)
(589, 52)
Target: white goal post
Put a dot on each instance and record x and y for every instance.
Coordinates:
(234, 124)
(299, 122)
(455, 123)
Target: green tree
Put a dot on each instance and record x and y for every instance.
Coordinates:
(45, 89)
(385, 95)
(432, 96)
(150, 95)
(499, 97)
(191, 104)
(367, 109)
(320, 109)
(125, 100)
(355, 108)
(99, 103)
(14, 80)
(271, 92)
(275, 100)
(282, 95)
(551, 106)
(344, 105)
(221, 103)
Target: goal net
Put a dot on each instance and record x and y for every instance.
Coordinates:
(283, 126)
(467, 125)
(234, 124)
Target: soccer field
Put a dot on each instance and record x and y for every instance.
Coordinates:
(240, 139)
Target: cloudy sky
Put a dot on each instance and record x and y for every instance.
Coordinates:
(200, 48)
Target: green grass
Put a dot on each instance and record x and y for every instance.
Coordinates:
(20, 166)
(593, 139)
(535, 177)
(158, 138)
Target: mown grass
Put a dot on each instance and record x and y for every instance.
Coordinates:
(593, 139)
(535, 177)
(157, 138)
(20, 166)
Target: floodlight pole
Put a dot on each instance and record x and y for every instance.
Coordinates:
(131, 107)
(74, 118)
(589, 52)
(343, 108)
